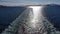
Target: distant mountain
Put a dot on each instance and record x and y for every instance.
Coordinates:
(11, 6)
(32, 5)
(52, 5)
(2, 6)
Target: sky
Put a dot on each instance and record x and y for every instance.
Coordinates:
(27, 2)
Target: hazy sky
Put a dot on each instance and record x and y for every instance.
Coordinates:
(24, 2)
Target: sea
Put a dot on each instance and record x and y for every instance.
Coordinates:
(9, 14)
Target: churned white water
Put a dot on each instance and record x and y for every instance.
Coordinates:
(31, 21)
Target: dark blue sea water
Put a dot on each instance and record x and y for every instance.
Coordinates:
(53, 15)
(9, 14)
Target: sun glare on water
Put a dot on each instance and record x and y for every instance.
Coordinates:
(37, 12)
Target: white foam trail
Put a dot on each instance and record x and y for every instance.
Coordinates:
(35, 21)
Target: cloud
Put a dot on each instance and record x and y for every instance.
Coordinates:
(18, 1)
(18, 4)
(24, 2)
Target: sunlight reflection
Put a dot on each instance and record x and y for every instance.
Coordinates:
(36, 13)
